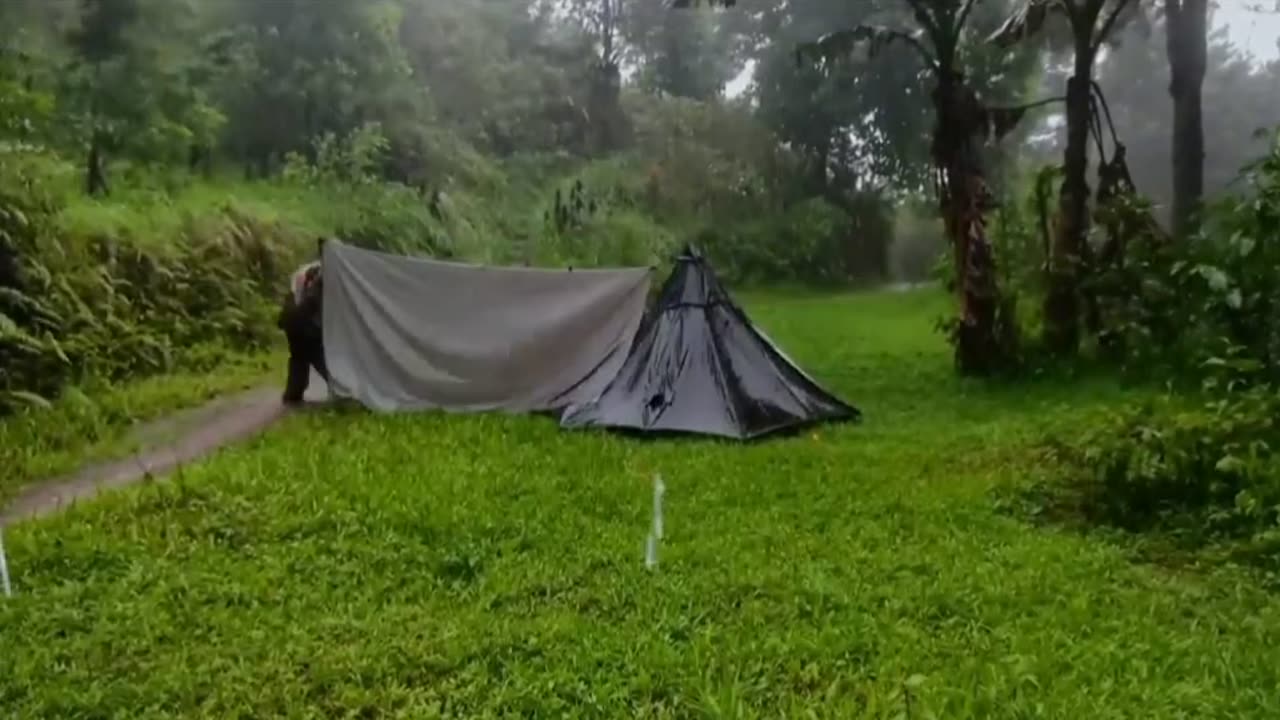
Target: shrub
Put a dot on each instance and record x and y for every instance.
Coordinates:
(1202, 474)
(107, 306)
(801, 245)
(393, 219)
(1171, 305)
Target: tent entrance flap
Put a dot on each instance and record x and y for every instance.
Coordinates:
(405, 333)
(700, 366)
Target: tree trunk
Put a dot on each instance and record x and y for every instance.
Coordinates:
(95, 177)
(979, 350)
(1187, 47)
(608, 119)
(1062, 301)
(964, 197)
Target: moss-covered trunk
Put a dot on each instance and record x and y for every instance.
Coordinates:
(963, 199)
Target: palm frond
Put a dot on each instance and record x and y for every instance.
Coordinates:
(1025, 22)
(834, 46)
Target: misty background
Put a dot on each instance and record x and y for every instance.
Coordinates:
(574, 131)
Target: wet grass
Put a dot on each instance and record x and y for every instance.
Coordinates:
(347, 565)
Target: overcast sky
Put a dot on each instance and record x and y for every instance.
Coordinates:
(1252, 31)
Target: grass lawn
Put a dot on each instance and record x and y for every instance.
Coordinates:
(347, 565)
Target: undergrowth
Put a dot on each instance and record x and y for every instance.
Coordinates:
(1186, 478)
(108, 307)
(1193, 477)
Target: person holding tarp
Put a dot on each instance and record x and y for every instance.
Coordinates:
(300, 319)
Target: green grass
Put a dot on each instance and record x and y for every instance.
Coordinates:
(94, 422)
(350, 565)
(154, 216)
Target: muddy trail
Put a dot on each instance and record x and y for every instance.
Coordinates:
(162, 446)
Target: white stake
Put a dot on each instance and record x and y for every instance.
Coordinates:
(655, 534)
(4, 569)
(659, 489)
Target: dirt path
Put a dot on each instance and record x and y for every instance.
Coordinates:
(162, 446)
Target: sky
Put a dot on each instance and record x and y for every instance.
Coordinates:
(1256, 32)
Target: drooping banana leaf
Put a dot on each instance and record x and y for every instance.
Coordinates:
(842, 43)
(1026, 21)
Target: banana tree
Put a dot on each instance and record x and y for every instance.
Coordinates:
(983, 334)
(1091, 23)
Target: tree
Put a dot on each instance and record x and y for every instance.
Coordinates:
(1187, 28)
(982, 333)
(852, 120)
(1135, 78)
(101, 44)
(604, 21)
(306, 69)
(1091, 23)
(32, 39)
(678, 53)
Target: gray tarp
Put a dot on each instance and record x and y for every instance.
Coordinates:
(405, 333)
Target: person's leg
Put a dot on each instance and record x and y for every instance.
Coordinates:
(299, 369)
(317, 357)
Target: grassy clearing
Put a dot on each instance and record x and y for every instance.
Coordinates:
(94, 422)
(348, 565)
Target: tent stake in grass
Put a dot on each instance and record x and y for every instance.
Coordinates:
(4, 568)
(655, 533)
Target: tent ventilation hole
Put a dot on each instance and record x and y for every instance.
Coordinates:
(657, 401)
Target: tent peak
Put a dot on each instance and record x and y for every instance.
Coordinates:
(690, 253)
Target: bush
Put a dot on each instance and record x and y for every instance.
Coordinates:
(1171, 305)
(1203, 475)
(394, 219)
(109, 307)
(801, 245)
(592, 224)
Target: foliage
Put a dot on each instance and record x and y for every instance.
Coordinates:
(681, 52)
(1176, 305)
(1198, 474)
(352, 564)
(1198, 477)
(355, 158)
(104, 307)
(794, 247)
(1135, 79)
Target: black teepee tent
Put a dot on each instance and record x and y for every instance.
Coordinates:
(698, 365)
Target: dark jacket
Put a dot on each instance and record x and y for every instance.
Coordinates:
(300, 310)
